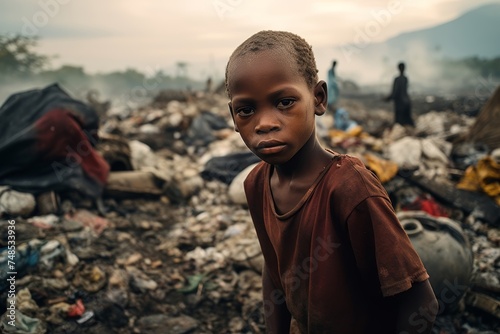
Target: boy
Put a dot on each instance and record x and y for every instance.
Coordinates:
(336, 258)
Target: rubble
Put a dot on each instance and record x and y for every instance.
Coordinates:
(172, 245)
(16, 203)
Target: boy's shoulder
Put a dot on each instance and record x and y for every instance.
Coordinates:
(254, 182)
(260, 169)
(256, 174)
(345, 165)
(348, 174)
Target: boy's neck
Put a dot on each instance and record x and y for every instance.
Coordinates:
(307, 163)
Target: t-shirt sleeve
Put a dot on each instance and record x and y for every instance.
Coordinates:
(382, 250)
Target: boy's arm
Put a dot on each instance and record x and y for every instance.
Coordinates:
(387, 260)
(276, 313)
(417, 309)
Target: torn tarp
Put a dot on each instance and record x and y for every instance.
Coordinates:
(226, 168)
(47, 142)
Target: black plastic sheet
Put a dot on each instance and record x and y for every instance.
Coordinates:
(47, 143)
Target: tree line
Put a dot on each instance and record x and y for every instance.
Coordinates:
(21, 65)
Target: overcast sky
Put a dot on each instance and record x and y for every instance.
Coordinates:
(150, 35)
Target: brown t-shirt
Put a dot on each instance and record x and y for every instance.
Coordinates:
(339, 252)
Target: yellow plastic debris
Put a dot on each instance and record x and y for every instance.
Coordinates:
(485, 176)
(385, 169)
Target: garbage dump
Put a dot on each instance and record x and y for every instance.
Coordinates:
(137, 222)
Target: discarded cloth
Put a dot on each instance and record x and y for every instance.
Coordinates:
(226, 168)
(47, 142)
(342, 120)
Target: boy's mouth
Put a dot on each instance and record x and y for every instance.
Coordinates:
(270, 146)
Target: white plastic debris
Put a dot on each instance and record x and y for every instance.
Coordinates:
(236, 191)
(406, 152)
(16, 203)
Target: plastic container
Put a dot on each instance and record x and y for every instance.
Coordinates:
(445, 252)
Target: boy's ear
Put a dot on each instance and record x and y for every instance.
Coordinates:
(320, 98)
(230, 105)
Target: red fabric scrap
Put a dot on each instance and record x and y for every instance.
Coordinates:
(77, 309)
(60, 136)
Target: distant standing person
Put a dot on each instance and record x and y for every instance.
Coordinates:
(333, 88)
(208, 85)
(399, 94)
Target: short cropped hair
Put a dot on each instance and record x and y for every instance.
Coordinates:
(295, 45)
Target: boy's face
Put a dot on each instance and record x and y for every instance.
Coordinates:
(272, 106)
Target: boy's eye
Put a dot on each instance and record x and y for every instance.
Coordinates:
(244, 111)
(285, 103)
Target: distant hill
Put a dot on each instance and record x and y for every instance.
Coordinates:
(429, 53)
(475, 33)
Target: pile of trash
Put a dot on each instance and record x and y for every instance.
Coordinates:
(166, 241)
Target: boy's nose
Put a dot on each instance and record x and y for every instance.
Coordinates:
(267, 122)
